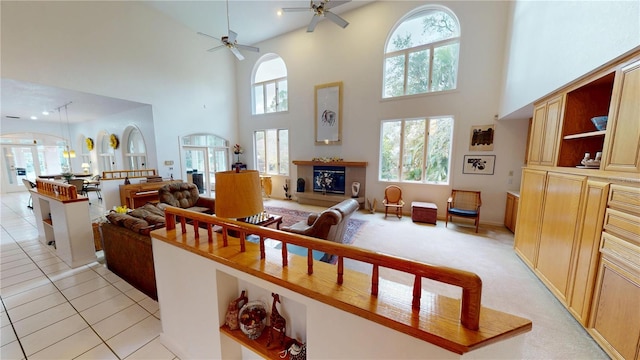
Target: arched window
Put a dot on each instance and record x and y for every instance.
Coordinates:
(135, 153)
(106, 152)
(270, 85)
(421, 54)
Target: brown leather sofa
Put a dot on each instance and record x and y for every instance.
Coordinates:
(330, 224)
(127, 246)
(185, 196)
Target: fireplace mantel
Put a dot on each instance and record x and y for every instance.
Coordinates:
(355, 171)
(331, 163)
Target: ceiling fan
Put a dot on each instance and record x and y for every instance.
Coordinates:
(321, 8)
(230, 42)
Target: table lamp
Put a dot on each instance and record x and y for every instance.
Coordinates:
(85, 167)
(238, 194)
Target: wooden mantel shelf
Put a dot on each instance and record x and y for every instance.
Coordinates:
(331, 163)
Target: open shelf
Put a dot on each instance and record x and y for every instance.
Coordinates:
(585, 135)
(258, 345)
(579, 135)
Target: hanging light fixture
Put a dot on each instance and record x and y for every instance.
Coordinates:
(67, 153)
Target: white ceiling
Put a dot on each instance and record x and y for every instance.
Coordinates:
(254, 21)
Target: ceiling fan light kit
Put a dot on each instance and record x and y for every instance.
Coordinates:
(321, 9)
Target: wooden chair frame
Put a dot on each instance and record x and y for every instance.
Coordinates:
(393, 199)
(464, 203)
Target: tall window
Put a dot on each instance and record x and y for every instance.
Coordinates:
(270, 85)
(272, 151)
(106, 152)
(422, 53)
(135, 152)
(416, 150)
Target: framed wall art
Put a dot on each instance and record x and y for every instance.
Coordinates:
(479, 164)
(482, 138)
(328, 113)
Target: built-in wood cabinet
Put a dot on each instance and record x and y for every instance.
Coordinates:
(578, 228)
(511, 210)
(527, 235)
(560, 222)
(615, 316)
(587, 246)
(547, 117)
(623, 145)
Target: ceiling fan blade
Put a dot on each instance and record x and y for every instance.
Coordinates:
(336, 19)
(236, 52)
(247, 47)
(331, 4)
(313, 23)
(295, 9)
(216, 48)
(232, 36)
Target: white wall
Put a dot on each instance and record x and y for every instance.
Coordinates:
(354, 55)
(124, 50)
(554, 42)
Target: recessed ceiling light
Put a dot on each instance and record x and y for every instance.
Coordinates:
(45, 113)
(279, 12)
(34, 118)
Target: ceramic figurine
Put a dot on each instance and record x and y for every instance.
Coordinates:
(231, 319)
(276, 322)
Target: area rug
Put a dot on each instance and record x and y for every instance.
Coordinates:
(290, 217)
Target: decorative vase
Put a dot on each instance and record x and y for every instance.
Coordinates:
(253, 319)
(355, 189)
(231, 318)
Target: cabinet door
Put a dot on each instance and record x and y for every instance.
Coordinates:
(623, 133)
(586, 266)
(529, 215)
(516, 206)
(551, 130)
(508, 213)
(615, 319)
(562, 206)
(537, 134)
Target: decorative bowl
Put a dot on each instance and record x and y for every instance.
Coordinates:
(600, 122)
(252, 319)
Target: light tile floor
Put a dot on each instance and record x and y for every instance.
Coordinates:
(50, 311)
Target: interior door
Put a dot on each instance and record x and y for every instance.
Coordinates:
(198, 168)
(18, 162)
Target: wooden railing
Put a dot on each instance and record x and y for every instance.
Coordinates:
(131, 174)
(470, 283)
(57, 188)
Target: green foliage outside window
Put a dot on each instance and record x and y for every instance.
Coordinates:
(422, 55)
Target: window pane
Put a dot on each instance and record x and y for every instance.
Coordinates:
(283, 97)
(394, 76)
(272, 152)
(418, 72)
(390, 150)
(423, 28)
(270, 69)
(261, 155)
(413, 150)
(439, 149)
(258, 96)
(445, 66)
(283, 149)
(271, 97)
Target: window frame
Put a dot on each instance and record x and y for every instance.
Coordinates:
(264, 85)
(278, 151)
(425, 151)
(416, 49)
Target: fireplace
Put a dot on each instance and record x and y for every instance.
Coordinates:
(330, 179)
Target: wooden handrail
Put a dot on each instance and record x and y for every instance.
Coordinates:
(131, 174)
(57, 188)
(470, 283)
